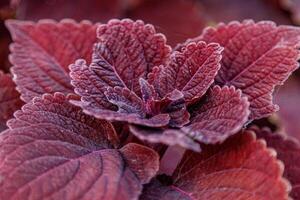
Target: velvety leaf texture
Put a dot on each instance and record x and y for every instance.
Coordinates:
(191, 71)
(54, 151)
(221, 114)
(168, 136)
(42, 52)
(288, 151)
(126, 51)
(256, 58)
(240, 168)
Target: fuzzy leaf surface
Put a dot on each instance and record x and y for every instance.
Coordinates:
(54, 151)
(240, 168)
(256, 58)
(126, 52)
(221, 114)
(190, 71)
(42, 52)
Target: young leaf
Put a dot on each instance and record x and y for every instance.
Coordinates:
(133, 49)
(190, 71)
(9, 99)
(42, 52)
(223, 113)
(240, 168)
(126, 52)
(257, 57)
(54, 151)
(288, 151)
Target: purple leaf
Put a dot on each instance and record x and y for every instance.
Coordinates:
(221, 114)
(9, 99)
(126, 101)
(42, 52)
(126, 52)
(169, 137)
(174, 104)
(191, 71)
(54, 151)
(257, 57)
(133, 48)
(143, 161)
(155, 121)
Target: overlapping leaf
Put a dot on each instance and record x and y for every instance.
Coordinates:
(9, 99)
(169, 137)
(288, 151)
(54, 151)
(42, 52)
(132, 49)
(223, 113)
(240, 168)
(191, 71)
(257, 57)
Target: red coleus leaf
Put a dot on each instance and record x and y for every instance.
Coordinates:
(126, 52)
(240, 168)
(9, 99)
(288, 151)
(191, 71)
(257, 57)
(42, 52)
(222, 114)
(54, 151)
(142, 47)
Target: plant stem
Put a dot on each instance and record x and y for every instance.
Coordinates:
(171, 159)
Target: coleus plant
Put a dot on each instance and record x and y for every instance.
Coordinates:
(67, 141)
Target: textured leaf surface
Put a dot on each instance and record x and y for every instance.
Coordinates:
(132, 48)
(288, 151)
(42, 52)
(169, 137)
(241, 168)
(126, 52)
(174, 105)
(221, 114)
(126, 101)
(9, 99)
(191, 71)
(257, 57)
(54, 151)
